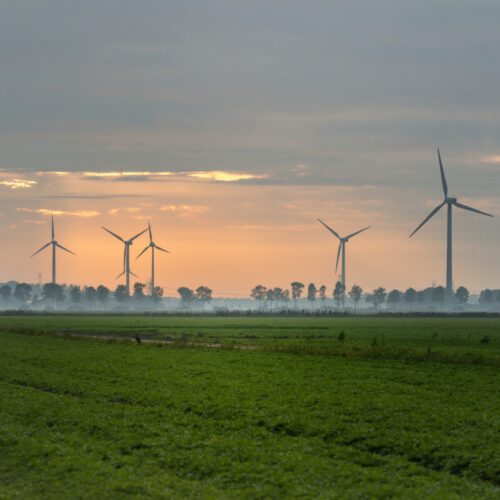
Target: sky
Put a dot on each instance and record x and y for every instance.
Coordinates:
(233, 125)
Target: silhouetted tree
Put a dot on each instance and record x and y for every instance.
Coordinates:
(120, 294)
(410, 296)
(394, 298)
(204, 295)
(377, 298)
(438, 295)
(421, 297)
(322, 295)
(297, 289)
(311, 292)
(187, 295)
(259, 294)
(462, 295)
(486, 298)
(355, 293)
(102, 293)
(75, 295)
(90, 295)
(5, 292)
(22, 292)
(54, 292)
(338, 293)
(282, 296)
(270, 296)
(157, 293)
(139, 291)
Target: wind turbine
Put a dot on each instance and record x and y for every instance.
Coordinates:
(449, 201)
(54, 244)
(126, 256)
(342, 242)
(152, 245)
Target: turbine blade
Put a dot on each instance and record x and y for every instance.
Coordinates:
(443, 178)
(113, 234)
(143, 251)
(150, 235)
(357, 232)
(121, 274)
(132, 273)
(52, 228)
(159, 248)
(428, 217)
(466, 207)
(329, 229)
(338, 256)
(137, 235)
(62, 248)
(44, 246)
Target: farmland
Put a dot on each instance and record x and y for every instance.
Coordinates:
(311, 407)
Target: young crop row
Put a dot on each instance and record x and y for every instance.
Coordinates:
(125, 419)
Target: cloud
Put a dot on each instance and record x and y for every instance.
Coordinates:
(491, 159)
(185, 209)
(45, 211)
(18, 183)
(219, 175)
(209, 175)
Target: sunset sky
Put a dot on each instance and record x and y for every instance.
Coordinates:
(233, 125)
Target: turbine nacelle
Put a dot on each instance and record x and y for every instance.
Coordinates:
(450, 200)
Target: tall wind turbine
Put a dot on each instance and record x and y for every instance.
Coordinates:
(450, 202)
(152, 245)
(54, 244)
(126, 256)
(342, 242)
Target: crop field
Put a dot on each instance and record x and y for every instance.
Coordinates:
(249, 407)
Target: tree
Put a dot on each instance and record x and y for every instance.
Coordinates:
(157, 293)
(5, 292)
(410, 296)
(338, 293)
(102, 294)
(139, 291)
(22, 292)
(438, 295)
(187, 295)
(297, 289)
(282, 296)
(270, 296)
(120, 294)
(486, 298)
(355, 295)
(75, 295)
(377, 298)
(311, 292)
(91, 295)
(203, 294)
(54, 292)
(462, 295)
(394, 298)
(259, 294)
(322, 295)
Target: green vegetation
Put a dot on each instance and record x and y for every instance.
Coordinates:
(102, 418)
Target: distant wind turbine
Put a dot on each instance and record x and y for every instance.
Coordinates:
(449, 202)
(54, 244)
(342, 242)
(152, 245)
(126, 256)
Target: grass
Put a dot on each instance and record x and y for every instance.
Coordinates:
(86, 418)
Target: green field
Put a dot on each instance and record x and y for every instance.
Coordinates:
(404, 408)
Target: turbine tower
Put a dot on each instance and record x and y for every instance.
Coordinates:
(342, 242)
(450, 202)
(152, 245)
(126, 256)
(54, 244)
